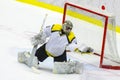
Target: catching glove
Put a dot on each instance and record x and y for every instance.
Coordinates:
(38, 39)
(83, 49)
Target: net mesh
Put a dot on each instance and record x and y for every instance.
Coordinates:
(89, 28)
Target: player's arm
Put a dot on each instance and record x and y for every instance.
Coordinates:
(40, 38)
(79, 48)
(83, 49)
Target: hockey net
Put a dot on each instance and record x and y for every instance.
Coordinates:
(96, 29)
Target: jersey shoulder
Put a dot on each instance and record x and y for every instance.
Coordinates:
(71, 37)
(56, 27)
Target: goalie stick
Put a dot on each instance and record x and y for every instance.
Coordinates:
(35, 46)
(96, 54)
(105, 57)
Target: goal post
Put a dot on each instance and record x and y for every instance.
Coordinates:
(97, 29)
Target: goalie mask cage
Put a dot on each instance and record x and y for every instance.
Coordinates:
(96, 29)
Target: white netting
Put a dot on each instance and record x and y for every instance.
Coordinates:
(89, 26)
(110, 45)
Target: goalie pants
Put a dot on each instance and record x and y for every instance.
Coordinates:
(41, 54)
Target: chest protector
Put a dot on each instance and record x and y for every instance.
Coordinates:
(58, 28)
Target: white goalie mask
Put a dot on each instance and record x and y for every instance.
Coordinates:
(67, 26)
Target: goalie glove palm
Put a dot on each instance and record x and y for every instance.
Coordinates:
(87, 50)
(38, 39)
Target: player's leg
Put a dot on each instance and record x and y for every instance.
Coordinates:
(41, 53)
(24, 57)
(62, 66)
(61, 58)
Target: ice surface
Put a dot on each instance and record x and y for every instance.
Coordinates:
(18, 22)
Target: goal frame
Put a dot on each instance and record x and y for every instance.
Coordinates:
(101, 65)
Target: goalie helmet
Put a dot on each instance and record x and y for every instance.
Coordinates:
(67, 26)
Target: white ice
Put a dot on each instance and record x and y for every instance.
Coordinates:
(18, 22)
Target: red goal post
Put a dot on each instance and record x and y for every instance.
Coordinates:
(107, 49)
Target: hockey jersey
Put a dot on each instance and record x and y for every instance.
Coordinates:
(58, 41)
